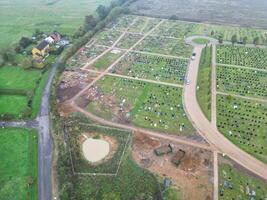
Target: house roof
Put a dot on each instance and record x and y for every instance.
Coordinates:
(42, 45)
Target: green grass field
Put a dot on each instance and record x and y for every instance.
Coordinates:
(13, 77)
(200, 41)
(146, 105)
(21, 86)
(204, 82)
(18, 166)
(241, 184)
(21, 18)
(244, 123)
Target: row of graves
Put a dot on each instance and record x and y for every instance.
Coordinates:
(166, 46)
(158, 68)
(242, 81)
(242, 56)
(245, 123)
(128, 40)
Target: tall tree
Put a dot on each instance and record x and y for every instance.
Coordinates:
(102, 11)
(89, 22)
(256, 40)
(234, 39)
(245, 39)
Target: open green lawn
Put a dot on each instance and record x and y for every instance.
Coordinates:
(21, 18)
(242, 184)
(18, 166)
(204, 82)
(152, 67)
(143, 104)
(244, 123)
(13, 77)
(13, 104)
(242, 81)
(242, 56)
(200, 40)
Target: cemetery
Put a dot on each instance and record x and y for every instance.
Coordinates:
(236, 183)
(121, 23)
(242, 56)
(84, 55)
(143, 104)
(244, 123)
(128, 40)
(138, 65)
(242, 81)
(106, 60)
(166, 46)
(107, 37)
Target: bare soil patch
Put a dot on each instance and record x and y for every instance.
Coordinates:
(193, 176)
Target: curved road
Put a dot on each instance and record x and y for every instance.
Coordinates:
(210, 132)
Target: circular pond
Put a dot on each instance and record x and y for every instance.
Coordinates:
(95, 150)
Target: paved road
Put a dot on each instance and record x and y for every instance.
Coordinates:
(208, 131)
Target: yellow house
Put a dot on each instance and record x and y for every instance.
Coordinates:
(41, 50)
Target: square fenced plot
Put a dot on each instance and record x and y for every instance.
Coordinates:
(244, 122)
(85, 161)
(165, 69)
(166, 46)
(143, 104)
(242, 81)
(242, 56)
(128, 40)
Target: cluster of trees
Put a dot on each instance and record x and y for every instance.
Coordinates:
(90, 21)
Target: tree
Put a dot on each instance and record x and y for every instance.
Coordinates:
(245, 39)
(256, 40)
(111, 196)
(89, 22)
(102, 11)
(24, 42)
(234, 39)
(220, 39)
(80, 32)
(212, 33)
(173, 17)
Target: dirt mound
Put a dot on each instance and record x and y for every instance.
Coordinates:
(144, 142)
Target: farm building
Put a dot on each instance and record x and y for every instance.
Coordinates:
(41, 50)
(163, 150)
(177, 158)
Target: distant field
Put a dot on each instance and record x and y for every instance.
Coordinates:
(18, 166)
(242, 12)
(21, 18)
